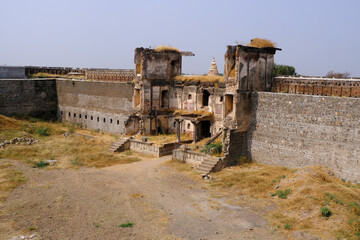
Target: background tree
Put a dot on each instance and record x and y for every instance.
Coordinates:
(280, 70)
(332, 74)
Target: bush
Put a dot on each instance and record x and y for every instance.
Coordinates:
(213, 148)
(280, 70)
(40, 164)
(287, 226)
(281, 194)
(43, 131)
(325, 212)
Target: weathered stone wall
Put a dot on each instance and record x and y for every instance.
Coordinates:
(36, 98)
(9, 72)
(148, 148)
(303, 130)
(117, 75)
(344, 87)
(95, 105)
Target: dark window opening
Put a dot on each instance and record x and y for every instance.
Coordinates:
(69, 114)
(221, 99)
(74, 114)
(117, 122)
(174, 123)
(80, 115)
(98, 119)
(206, 96)
(61, 113)
(188, 126)
(165, 98)
(104, 119)
(91, 118)
(85, 116)
(110, 120)
(189, 96)
(228, 104)
(205, 129)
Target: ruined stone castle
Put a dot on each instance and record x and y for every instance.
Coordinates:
(289, 121)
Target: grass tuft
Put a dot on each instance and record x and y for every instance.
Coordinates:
(126, 225)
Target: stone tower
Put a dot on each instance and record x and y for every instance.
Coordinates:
(213, 68)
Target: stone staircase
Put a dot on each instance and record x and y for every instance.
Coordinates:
(207, 166)
(120, 145)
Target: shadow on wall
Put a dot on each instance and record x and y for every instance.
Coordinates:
(241, 141)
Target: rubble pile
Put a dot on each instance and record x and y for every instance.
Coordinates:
(19, 140)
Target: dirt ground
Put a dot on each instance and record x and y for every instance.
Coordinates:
(91, 203)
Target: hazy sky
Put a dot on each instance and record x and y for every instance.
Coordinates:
(316, 36)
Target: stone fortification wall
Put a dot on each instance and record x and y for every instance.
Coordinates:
(345, 87)
(8, 72)
(118, 75)
(34, 97)
(30, 70)
(95, 105)
(303, 130)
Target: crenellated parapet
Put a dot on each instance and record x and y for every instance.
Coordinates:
(337, 87)
(118, 75)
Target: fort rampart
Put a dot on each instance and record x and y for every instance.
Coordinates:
(95, 105)
(298, 130)
(37, 98)
(347, 87)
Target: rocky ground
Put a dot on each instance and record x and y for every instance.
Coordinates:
(89, 203)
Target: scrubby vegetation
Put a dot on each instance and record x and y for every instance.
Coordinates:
(70, 151)
(283, 70)
(307, 199)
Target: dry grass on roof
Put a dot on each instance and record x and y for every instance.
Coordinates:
(161, 48)
(261, 43)
(200, 78)
(200, 113)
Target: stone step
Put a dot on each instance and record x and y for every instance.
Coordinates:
(204, 169)
(207, 164)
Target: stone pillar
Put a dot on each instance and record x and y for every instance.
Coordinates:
(177, 130)
(194, 132)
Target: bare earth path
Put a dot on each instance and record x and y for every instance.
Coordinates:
(91, 203)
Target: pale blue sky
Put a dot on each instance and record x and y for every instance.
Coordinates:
(316, 36)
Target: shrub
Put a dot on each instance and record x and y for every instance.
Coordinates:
(287, 226)
(125, 225)
(281, 194)
(43, 131)
(40, 164)
(325, 212)
(213, 148)
(72, 128)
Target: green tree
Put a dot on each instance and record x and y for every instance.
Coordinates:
(280, 70)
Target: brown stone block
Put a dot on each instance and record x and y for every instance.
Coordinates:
(355, 92)
(345, 91)
(318, 90)
(309, 89)
(300, 89)
(336, 91)
(292, 88)
(284, 88)
(326, 91)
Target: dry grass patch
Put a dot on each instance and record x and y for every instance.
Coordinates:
(165, 138)
(48, 75)
(261, 43)
(72, 151)
(9, 179)
(199, 78)
(299, 195)
(161, 48)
